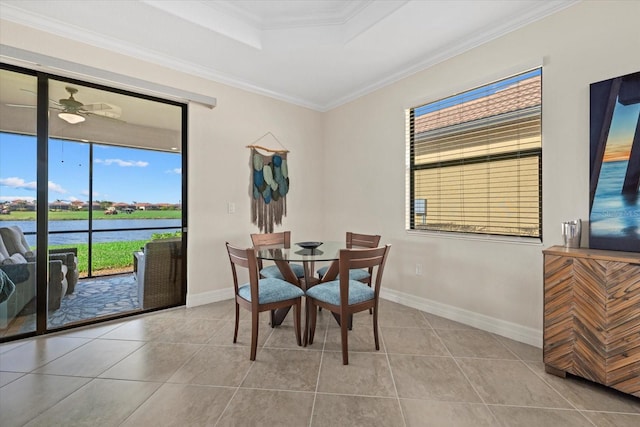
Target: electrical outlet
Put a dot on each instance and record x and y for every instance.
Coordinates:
(231, 208)
(418, 269)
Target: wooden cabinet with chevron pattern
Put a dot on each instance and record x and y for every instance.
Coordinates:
(592, 316)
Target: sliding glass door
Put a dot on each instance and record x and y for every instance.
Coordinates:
(113, 184)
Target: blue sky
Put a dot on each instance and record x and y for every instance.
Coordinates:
(119, 174)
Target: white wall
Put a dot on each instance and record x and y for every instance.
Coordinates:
(497, 285)
(348, 165)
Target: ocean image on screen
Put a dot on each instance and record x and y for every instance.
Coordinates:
(614, 215)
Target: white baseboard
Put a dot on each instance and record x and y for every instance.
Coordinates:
(486, 323)
(203, 298)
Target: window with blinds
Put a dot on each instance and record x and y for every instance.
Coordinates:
(475, 160)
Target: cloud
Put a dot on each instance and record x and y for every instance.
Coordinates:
(123, 163)
(176, 171)
(15, 182)
(56, 188)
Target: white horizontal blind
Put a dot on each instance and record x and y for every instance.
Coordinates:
(475, 160)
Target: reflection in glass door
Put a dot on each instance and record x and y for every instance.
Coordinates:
(18, 177)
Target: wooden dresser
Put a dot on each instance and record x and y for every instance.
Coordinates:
(592, 316)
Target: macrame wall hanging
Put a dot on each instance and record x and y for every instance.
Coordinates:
(269, 185)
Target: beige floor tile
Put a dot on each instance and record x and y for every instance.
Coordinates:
(366, 374)
(584, 394)
(507, 382)
(7, 377)
(167, 329)
(523, 351)
(437, 322)
(419, 413)
(180, 367)
(39, 352)
(213, 365)
(95, 331)
(8, 346)
(406, 318)
(284, 336)
(336, 410)
(26, 397)
(473, 343)
(182, 405)
(413, 341)
(102, 402)
(511, 416)
(284, 369)
(432, 378)
(257, 408)
(360, 338)
(224, 336)
(146, 328)
(223, 310)
(608, 419)
(91, 359)
(152, 362)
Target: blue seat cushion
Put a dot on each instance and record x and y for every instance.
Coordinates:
(273, 271)
(329, 292)
(354, 273)
(271, 290)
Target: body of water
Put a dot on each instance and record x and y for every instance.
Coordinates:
(98, 236)
(614, 215)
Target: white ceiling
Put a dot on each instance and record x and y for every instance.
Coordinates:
(318, 54)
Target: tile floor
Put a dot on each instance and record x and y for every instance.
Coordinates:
(179, 367)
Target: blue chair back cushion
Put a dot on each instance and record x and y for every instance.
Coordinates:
(273, 271)
(329, 292)
(271, 290)
(354, 273)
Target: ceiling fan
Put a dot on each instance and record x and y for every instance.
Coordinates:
(73, 111)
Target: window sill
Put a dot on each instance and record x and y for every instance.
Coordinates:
(529, 241)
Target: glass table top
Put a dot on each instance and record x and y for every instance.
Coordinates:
(327, 251)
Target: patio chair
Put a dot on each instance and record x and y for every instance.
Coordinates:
(16, 242)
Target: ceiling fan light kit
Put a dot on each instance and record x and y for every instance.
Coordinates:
(71, 118)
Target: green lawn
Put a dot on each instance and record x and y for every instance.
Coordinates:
(106, 256)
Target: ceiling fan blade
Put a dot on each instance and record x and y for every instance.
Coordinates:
(20, 105)
(101, 116)
(35, 94)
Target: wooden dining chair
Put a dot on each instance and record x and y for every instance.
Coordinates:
(258, 295)
(346, 296)
(356, 240)
(283, 238)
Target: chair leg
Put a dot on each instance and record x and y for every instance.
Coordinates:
(296, 323)
(313, 314)
(235, 332)
(345, 351)
(273, 318)
(254, 334)
(375, 327)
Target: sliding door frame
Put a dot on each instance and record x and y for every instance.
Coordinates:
(42, 206)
